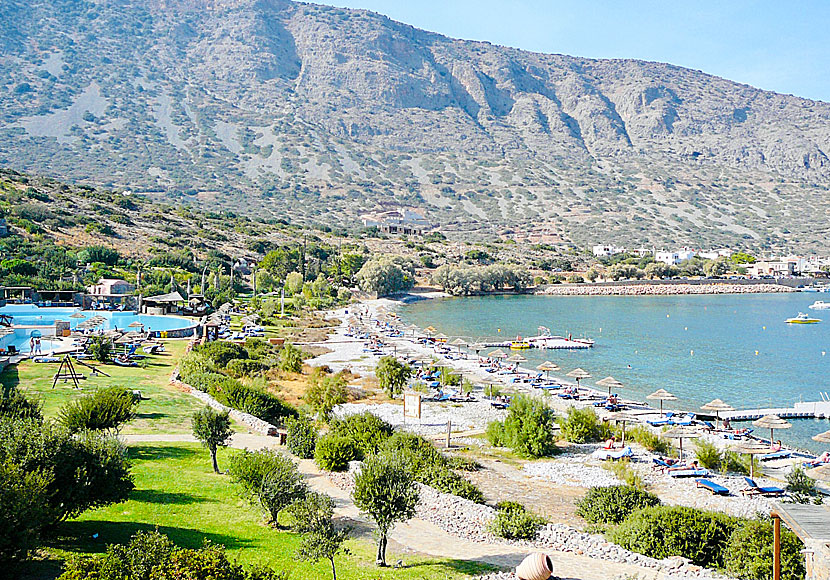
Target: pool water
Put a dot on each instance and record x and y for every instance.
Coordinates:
(31, 315)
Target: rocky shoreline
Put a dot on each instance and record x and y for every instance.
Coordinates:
(661, 289)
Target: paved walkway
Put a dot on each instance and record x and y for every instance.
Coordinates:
(422, 537)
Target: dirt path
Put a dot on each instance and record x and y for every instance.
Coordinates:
(422, 537)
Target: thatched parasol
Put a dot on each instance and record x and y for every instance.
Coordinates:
(579, 374)
(622, 417)
(822, 437)
(548, 366)
(517, 358)
(430, 330)
(459, 342)
(717, 406)
(611, 383)
(751, 447)
(680, 432)
(661, 395)
(135, 324)
(76, 315)
(822, 472)
(498, 353)
(772, 422)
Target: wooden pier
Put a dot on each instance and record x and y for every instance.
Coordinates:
(802, 410)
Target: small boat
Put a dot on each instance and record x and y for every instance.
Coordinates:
(802, 319)
(820, 305)
(519, 345)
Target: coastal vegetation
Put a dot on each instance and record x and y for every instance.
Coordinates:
(611, 505)
(528, 428)
(514, 521)
(213, 430)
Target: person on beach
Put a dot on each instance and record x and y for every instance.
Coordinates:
(611, 443)
(32, 344)
(37, 346)
(693, 466)
(775, 447)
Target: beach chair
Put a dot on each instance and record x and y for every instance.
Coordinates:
(606, 454)
(660, 464)
(683, 421)
(711, 486)
(689, 473)
(659, 422)
(754, 489)
(775, 455)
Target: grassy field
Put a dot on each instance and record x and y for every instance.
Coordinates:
(166, 410)
(178, 494)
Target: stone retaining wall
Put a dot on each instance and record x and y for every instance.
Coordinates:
(255, 424)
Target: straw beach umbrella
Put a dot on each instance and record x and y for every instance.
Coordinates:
(717, 406)
(547, 366)
(680, 433)
(751, 448)
(611, 383)
(76, 315)
(459, 342)
(821, 472)
(622, 417)
(822, 437)
(579, 374)
(498, 353)
(661, 395)
(517, 358)
(772, 422)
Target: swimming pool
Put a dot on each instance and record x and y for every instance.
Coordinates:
(29, 315)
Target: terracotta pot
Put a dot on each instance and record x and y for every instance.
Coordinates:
(535, 567)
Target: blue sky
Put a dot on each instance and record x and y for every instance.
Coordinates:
(781, 46)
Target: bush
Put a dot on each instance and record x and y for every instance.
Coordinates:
(291, 359)
(24, 510)
(447, 481)
(325, 392)
(748, 552)
(664, 531)
(514, 522)
(104, 410)
(333, 452)
(611, 505)
(367, 431)
(528, 427)
(100, 347)
(583, 426)
(152, 556)
(801, 487)
(707, 454)
(623, 471)
(15, 405)
(258, 403)
(250, 468)
(83, 472)
(651, 441)
(221, 352)
(302, 437)
(243, 368)
(496, 435)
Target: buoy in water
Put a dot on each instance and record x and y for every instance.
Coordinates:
(685, 328)
(692, 352)
(756, 353)
(667, 315)
(764, 327)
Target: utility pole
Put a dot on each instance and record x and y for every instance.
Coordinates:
(302, 258)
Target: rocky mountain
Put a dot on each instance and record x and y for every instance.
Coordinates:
(319, 114)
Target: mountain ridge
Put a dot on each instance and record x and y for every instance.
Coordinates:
(273, 106)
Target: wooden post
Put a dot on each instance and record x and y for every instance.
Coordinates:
(776, 549)
(449, 431)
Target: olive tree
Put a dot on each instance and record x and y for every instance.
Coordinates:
(322, 538)
(392, 375)
(213, 430)
(386, 492)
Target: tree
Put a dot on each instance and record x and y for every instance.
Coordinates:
(100, 347)
(392, 375)
(325, 392)
(213, 430)
(322, 539)
(281, 487)
(387, 275)
(293, 283)
(291, 358)
(105, 410)
(715, 268)
(385, 490)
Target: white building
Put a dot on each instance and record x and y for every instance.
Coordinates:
(715, 254)
(673, 258)
(606, 251)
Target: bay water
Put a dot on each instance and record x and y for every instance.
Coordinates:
(699, 347)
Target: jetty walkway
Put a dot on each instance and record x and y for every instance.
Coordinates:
(802, 410)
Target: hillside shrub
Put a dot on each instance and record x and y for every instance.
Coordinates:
(367, 431)
(515, 522)
(333, 452)
(14, 404)
(239, 368)
(583, 426)
(528, 427)
(325, 392)
(651, 441)
(290, 359)
(664, 531)
(221, 352)
(447, 481)
(105, 410)
(302, 436)
(611, 505)
(258, 403)
(748, 552)
(801, 487)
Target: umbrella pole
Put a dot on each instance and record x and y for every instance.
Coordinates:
(661, 407)
(681, 449)
(623, 437)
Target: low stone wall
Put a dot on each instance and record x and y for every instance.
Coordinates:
(255, 424)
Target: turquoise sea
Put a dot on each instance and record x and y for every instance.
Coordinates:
(734, 347)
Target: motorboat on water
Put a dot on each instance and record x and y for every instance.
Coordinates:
(820, 305)
(802, 318)
(519, 345)
(546, 340)
(817, 288)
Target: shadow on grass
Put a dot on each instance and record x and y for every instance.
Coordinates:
(150, 415)
(156, 452)
(9, 378)
(470, 567)
(166, 497)
(77, 536)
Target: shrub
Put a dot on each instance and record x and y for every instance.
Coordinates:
(748, 552)
(100, 347)
(103, 410)
(651, 441)
(258, 403)
(622, 470)
(496, 435)
(447, 481)
(257, 348)
(250, 468)
(367, 431)
(611, 505)
(514, 522)
(801, 487)
(291, 359)
(213, 430)
(333, 452)
(583, 426)
(243, 368)
(152, 556)
(528, 427)
(221, 352)
(664, 531)
(325, 392)
(24, 510)
(707, 454)
(302, 437)
(15, 405)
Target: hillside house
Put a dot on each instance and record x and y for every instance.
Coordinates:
(111, 291)
(398, 221)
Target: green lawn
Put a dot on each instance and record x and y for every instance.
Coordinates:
(167, 410)
(178, 493)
